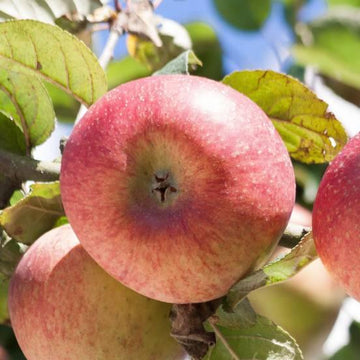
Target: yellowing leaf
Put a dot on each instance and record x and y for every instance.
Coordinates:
(55, 55)
(34, 214)
(310, 132)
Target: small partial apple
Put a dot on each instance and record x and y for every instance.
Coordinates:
(336, 225)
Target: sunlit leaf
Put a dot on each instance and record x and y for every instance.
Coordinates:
(244, 14)
(180, 65)
(46, 10)
(277, 271)
(24, 98)
(55, 55)
(33, 215)
(311, 133)
(16, 197)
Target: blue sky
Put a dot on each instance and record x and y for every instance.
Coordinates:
(267, 48)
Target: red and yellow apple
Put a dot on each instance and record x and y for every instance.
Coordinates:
(177, 186)
(336, 225)
(63, 306)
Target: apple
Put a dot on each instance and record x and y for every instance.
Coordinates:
(63, 306)
(336, 227)
(177, 186)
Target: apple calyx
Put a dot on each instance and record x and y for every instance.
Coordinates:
(162, 186)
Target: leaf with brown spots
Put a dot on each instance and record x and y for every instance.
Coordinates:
(311, 133)
(53, 54)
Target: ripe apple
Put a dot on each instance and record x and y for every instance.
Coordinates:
(336, 226)
(63, 306)
(177, 186)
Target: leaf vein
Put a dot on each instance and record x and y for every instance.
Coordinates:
(49, 79)
(21, 115)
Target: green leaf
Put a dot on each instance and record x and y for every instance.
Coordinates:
(180, 65)
(46, 10)
(66, 107)
(124, 70)
(57, 56)
(242, 316)
(350, 351)
(276, 271)
(332, 42)
(35, 214)
(16, 197)
(4, 287)
(311, 134)
(261, 341)
(23, 97)
(244, 14)
(11, 137)
(10, 254)
(292, 9)
(344, 3)
(207, 48)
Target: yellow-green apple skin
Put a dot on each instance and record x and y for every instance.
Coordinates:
(336, 225)
(63, 306)
(177, 186)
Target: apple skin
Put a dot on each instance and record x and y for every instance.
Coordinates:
(336, 226)
(177, 186)
(63, 306)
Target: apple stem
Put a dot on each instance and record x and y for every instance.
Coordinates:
(187, 327)
(293, 234)
(24, 168)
